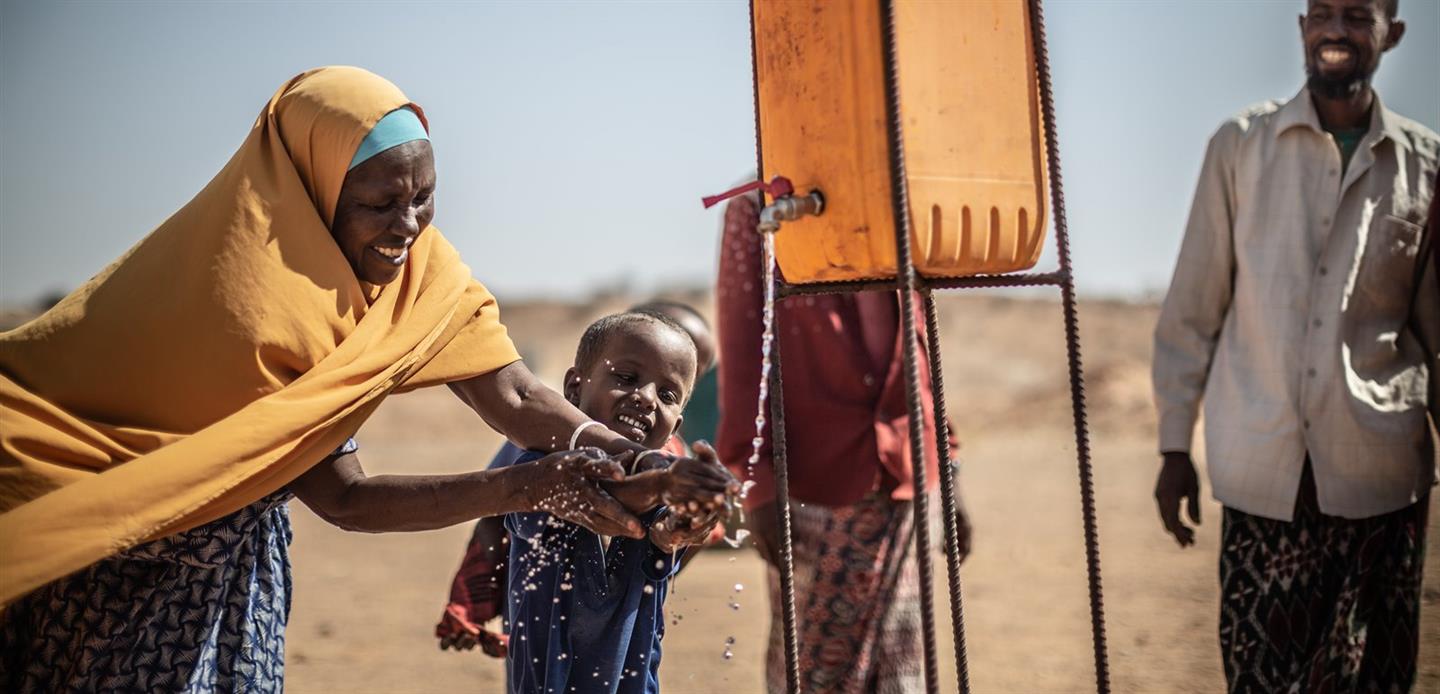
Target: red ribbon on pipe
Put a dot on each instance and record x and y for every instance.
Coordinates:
(778, 187)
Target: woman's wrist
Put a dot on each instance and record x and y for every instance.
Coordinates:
(513, 489)
(603, 438)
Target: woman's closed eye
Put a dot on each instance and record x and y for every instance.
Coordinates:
(384, 205)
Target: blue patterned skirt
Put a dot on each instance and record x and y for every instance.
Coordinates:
(200, 611)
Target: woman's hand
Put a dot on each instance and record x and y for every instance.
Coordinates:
(566, 485)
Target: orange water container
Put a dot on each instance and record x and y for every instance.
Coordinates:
(970, 119)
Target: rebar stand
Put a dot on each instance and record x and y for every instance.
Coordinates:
(909, 284)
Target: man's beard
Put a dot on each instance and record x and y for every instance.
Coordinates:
(1340, 87)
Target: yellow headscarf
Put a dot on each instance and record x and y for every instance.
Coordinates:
(227, 352)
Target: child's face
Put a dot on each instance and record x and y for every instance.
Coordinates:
(639, 384)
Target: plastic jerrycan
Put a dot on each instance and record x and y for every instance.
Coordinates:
(970, 120)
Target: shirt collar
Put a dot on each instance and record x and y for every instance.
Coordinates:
(1300, 110)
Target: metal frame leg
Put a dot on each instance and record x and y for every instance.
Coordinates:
(906, 283)
(1072, 349)
(949, 504)
(782, 512)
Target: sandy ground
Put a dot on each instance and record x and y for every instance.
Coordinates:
(365, 605)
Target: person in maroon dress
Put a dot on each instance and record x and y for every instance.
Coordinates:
(848, 453)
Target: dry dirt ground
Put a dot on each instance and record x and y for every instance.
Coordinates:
(365, 604)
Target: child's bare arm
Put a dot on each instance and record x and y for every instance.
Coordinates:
(640, 492)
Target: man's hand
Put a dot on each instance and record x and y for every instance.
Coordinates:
(566, 485)
(1177, 482)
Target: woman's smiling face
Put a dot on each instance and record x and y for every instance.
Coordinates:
(384, 204)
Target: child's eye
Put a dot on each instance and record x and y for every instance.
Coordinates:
(670, 396)
(624, 377)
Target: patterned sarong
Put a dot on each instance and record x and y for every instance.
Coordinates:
(857, 588)
(199, 611)
(1321, 604)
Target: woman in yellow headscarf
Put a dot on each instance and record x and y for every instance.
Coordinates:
(154, 423)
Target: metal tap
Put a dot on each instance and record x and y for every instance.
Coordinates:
(789, 208)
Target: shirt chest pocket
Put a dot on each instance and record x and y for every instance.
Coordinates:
(1386, 269)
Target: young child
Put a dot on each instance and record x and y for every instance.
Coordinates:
(477, 592)
(584, 615)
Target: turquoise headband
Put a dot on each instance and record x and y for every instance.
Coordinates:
(396, 128)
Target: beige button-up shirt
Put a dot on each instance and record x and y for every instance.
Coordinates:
(1291, 313)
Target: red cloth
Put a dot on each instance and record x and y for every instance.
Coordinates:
(477, 592)
(846, 416)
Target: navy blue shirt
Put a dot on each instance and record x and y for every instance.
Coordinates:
(582, 618)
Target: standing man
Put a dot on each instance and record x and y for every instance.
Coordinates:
(1296, 312)
(848, 448)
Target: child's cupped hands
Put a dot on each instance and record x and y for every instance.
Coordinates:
(672, 532)
(698, 487)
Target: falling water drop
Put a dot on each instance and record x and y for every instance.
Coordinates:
(767, 340)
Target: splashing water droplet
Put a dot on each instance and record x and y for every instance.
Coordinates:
(740, 536)
(739, 587)
(649, 589)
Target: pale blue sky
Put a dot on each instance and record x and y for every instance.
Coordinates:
(574, 140)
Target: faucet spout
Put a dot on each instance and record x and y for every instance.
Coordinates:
(789, 208)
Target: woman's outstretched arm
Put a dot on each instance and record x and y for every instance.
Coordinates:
(563, 484)
(522, 408)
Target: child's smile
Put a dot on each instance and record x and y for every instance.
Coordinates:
(639, 429)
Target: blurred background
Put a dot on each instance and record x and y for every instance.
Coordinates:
(573, 142)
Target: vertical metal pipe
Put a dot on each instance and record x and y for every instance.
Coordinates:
(948, 498)
(782, 511)
(1072, 349)
(777, 425)
(906, 281)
